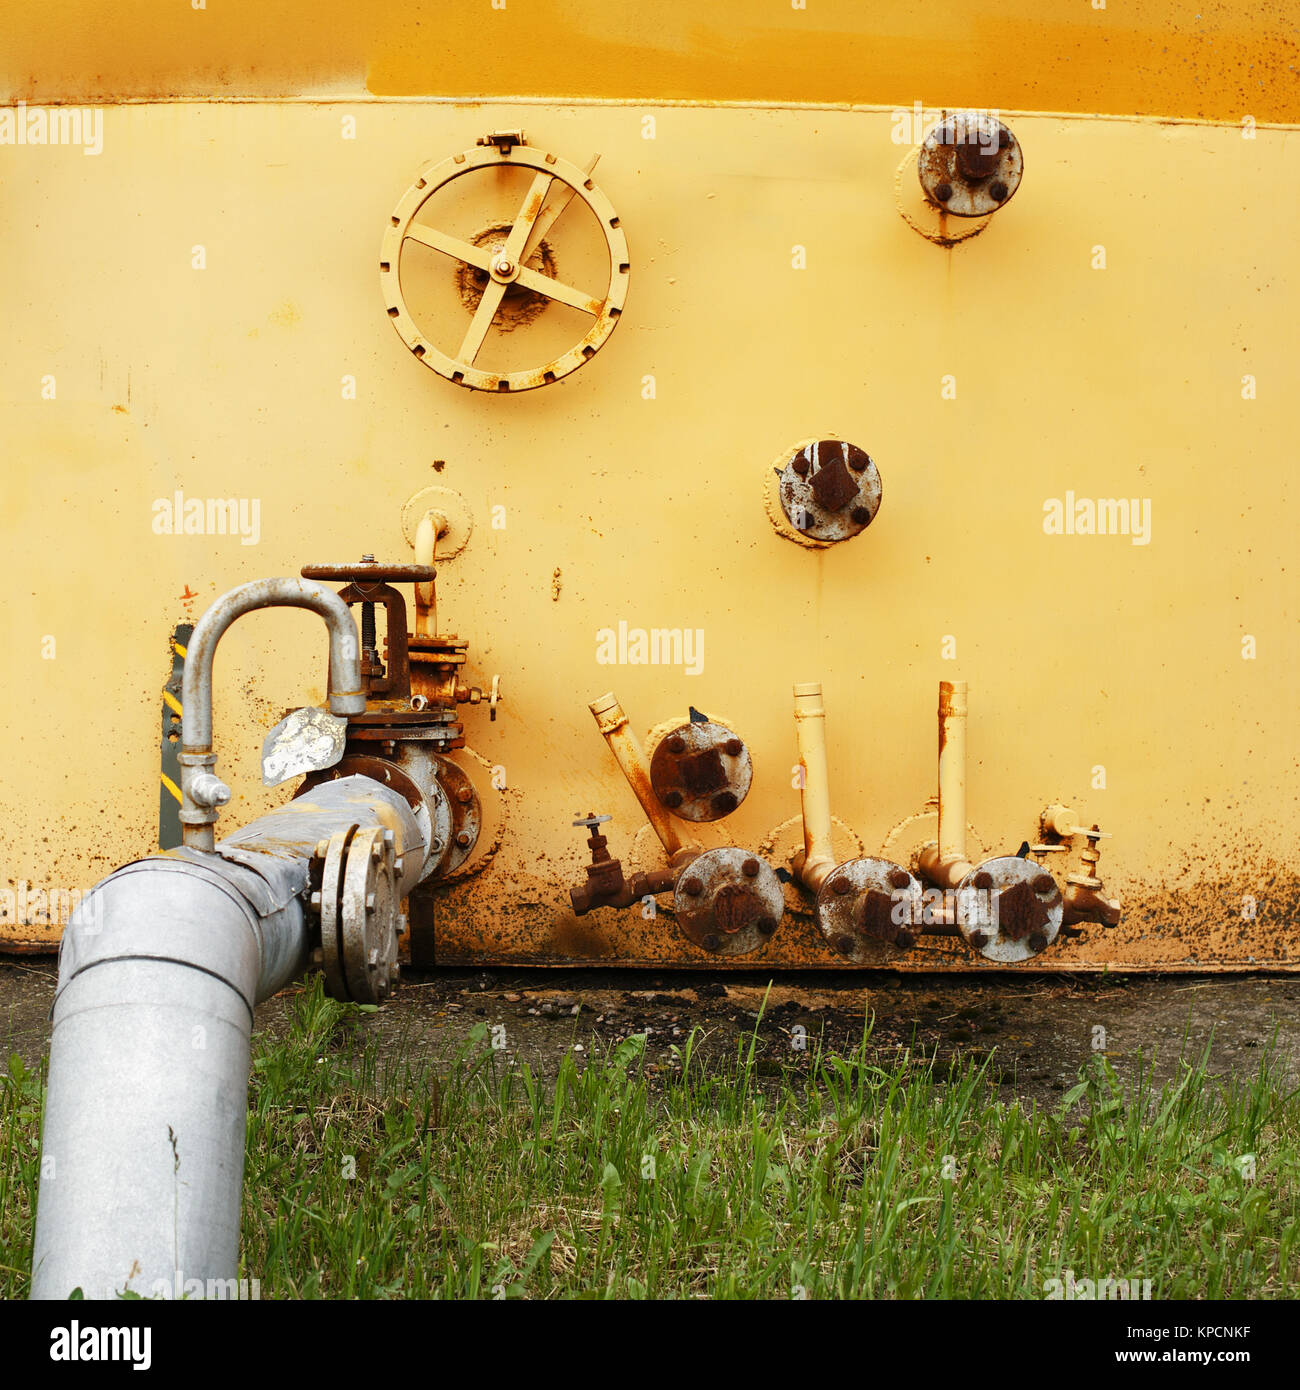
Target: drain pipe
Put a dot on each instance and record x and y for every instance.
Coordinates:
(626, 748)
(944, 864)
(160, 969)
(817, 861)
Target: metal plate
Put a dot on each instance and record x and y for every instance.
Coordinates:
(970, 164)
(830, 490)
(701, 770)
(870, 911)
(729, 902)
(306, 740)
(1009, 910)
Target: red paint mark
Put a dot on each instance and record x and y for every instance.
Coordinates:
(189, 595)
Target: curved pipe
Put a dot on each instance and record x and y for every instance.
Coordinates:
(945, 864)
(160, 968)
(202, 792)
(433, 524)
(626, 748)
(814, 866)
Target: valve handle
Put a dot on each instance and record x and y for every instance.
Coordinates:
(371, 573)
(591, 820)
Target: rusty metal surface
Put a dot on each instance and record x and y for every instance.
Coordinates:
(869, 911)
(830, 490)
(728, 902)
(1009, 910)
(701, 770)
(970, 164)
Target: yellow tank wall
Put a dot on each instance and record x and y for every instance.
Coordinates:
(1079, 651)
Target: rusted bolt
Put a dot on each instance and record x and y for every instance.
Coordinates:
(693, 886)
(943, 192)
(801, 466)
(1004, 138)
(978, 940)
(750, 868)
(464, 796)
(844, 945)
(672, 799)
(860, 516)
(733, 748)
(1044, 883)
(725, 802)
(841, 886)
(677, 745)
(983, 880)
(997, 190)
(904, 940)
(463, 839)
(765, 926)
(1038, 941)
(711, 942)
(858, 460)
(899, 878)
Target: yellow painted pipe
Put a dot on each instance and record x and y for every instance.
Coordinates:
(815, 864)
(626, 748)
(945, 864)
(432, 525)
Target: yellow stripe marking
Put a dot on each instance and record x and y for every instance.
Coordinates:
(179, 650)
(171, 786)
(172, 702)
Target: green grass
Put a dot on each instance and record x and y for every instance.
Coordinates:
(469, 1178)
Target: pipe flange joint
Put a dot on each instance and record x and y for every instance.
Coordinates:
(728, 902)
(870, 910)
(701, 770)
(1009, 910)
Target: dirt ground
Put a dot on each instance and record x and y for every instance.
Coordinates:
(1036, 1031)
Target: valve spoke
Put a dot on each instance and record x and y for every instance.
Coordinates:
(556, 289)
(493, 294)
(528, 214)
(480, 256)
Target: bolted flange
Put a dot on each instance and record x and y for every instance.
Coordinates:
(359, 911)
(970, 164)
(729, 902)
(701, 771)
(1009, 910)
(830, 490)
(870, 911)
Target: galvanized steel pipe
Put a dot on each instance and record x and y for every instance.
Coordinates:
(160, 968)
(201, 791)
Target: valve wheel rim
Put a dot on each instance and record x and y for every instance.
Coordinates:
(518, 247)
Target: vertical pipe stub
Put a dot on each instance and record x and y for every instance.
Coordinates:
(944, 863)
(818, 857)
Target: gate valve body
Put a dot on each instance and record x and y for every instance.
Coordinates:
(606, 885)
